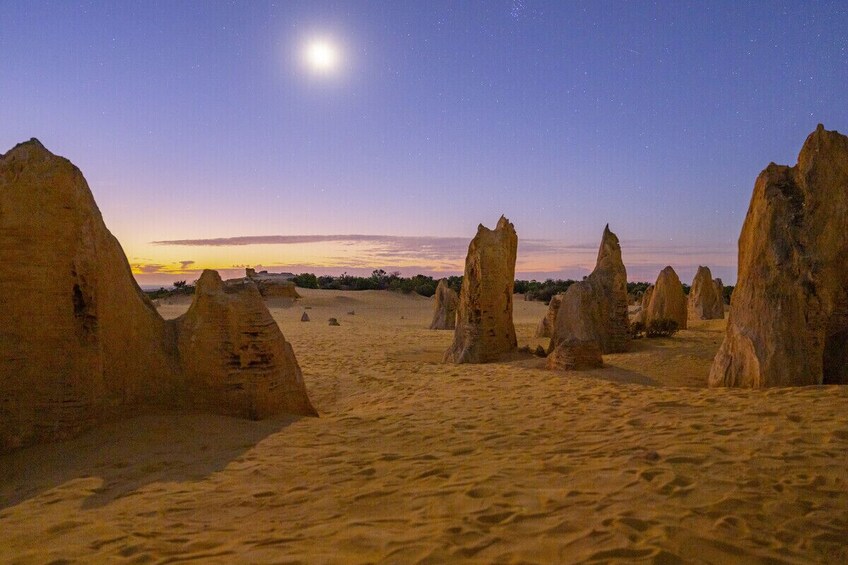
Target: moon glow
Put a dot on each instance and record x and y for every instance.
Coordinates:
(322, 56)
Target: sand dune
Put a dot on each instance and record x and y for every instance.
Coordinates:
(413, 461)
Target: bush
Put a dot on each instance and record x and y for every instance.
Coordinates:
(636, 330)
(544, 291)
(306, 280)
(661, 328)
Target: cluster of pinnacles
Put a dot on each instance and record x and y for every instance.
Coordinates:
(788, 324)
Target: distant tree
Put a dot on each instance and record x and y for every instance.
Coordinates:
(306, 280)
(728, 294)
(455, 282)
(637, 288)
(179, 284)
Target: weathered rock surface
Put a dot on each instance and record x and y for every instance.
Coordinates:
(546, 324)
(642, 315)
(668, 301)
(719, 286)
(575, 355)
(270, 285)
(788, 322)
(444, 307)
(705, 298)
(79, 341)
(596, 307)
(236, 360)
(78, 337)
(484, 327)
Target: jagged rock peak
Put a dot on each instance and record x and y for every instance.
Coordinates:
(788, 322)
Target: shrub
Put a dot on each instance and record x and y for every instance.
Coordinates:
(636, 330)
(306, 280)
(661, 328)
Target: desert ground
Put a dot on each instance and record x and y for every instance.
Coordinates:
(415, 461)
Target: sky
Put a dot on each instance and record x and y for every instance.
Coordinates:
(210, 139)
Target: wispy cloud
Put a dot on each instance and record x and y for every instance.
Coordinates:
(361, 253)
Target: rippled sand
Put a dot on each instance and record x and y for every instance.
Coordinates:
(413, 461)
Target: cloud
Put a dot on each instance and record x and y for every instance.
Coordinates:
(179, 268)
(539, 258)
(148, 268)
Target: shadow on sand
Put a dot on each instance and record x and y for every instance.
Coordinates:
(127, 455)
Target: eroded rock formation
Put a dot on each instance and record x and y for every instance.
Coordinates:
(575, 355)
(668, 301)
(642, 315)
(546, 324)
(484, 328)
(788, 322)
(79, 341)
(705, 298)
(270, 285)
(444, 307)
(719, 286)
(596, 307)
(235, 357)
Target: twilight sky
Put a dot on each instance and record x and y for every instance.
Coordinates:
(209, 141)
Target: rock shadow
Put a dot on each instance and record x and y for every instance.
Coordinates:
(130, 454)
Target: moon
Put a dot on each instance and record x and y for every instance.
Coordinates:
(321, 55)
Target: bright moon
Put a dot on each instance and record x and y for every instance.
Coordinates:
(321, 55)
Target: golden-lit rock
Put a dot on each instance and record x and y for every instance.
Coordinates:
(235, 358)
(668, 301)
(79, 342)
(596, 307)
(575, 355)
(788, 322)
(546, 324)
(705, 297)
(445, 301)
(484, 328)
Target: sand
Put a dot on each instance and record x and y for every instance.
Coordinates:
(413, 461)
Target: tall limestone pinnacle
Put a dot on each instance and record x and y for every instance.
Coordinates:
(788, 321)
(706, 300)
(484, 328)
(668, 301)
(79, 341)
(595, 309)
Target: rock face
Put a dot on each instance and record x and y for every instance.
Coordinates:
(444, 307)
(79, 341)
(705, 298)
(484, 328)
(575, 355)
(234, 356)
(788, 322)
(668, 301)
(642, 315)
(78, 337)
(546, 324)
(270, 285)
(596, 307)
(719, 286)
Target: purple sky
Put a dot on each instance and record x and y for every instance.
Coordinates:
(200, 120)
